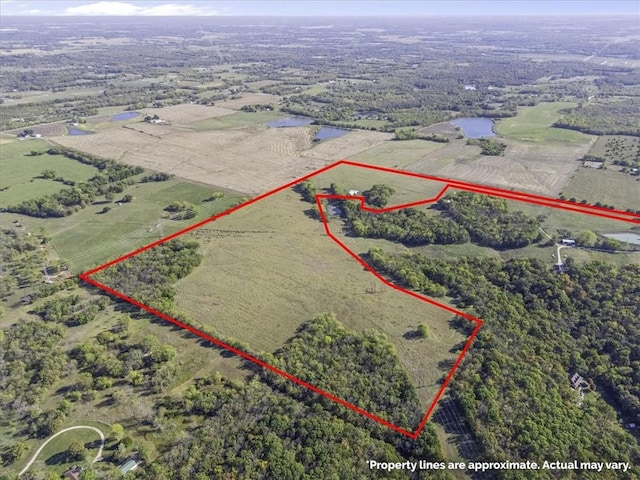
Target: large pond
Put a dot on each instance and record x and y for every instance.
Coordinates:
(633, 238)
(77, 131)
(118, 117)
(475, 127)
(325, 133)
(291, 122)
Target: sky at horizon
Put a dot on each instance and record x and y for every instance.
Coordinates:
(317, 7)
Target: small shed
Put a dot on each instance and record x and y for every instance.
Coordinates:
(353, 192)
(568, 241)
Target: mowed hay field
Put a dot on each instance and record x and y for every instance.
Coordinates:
(230, 151)
(539, 158)
(609, 187)
(268, 267)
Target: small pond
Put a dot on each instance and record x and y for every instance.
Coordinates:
(325, 133)
(475, 127)
(291, 122)
(118, 117)
(628, 237)
(77, 131)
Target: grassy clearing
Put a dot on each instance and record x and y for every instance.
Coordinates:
(53, 457)
(88, 238)
(268, 268)
(397, 154)
(236, 120)
(533, 124)
(19, 170)
(609, 187)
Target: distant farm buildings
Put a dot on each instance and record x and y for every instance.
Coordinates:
(568, 241)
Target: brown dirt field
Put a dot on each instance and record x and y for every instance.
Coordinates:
(250, 161)
(535, 168)
(348, 145)
(186, 113)
(248, 99)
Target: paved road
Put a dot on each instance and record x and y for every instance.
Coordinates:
(35, 455)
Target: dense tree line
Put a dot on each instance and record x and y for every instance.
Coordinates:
(253, 431)
(361, 368)
(71, 310)
(462, 217)
(607, 118)
(489, 220)
(539, 329)
(149, 276)
(30, 362)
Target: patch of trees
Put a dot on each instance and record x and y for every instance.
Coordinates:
(113, 177)
(156, 177)
(71, 310)
(539, 329)
(463, 216)
(364, 369)
(412, 134)
(307, 190)
(489, 220)
(182, 210)
(255, 431)
(30, 362)
(609, 118)
(149, 276)
(410, 226)
(488, 146)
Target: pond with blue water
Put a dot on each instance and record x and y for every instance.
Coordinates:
(291, 122)
(119, 117)
(475, 127)
(77, 131)
(326, 133)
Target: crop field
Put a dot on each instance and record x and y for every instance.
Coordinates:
(348, 145)
(236, 120)
(609, 187)
(20, 171)
(252, 160)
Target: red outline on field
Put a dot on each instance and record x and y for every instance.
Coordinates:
(448, 183)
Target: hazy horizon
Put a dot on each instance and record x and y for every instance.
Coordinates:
(326, 8)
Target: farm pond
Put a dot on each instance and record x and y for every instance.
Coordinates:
(475, 127)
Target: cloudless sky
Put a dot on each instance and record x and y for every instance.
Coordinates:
(319, 8)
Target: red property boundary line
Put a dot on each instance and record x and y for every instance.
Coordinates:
(455, 184)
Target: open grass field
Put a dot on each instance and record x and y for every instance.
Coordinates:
(88, 237)
(20, 170)
(533, 124)
(270, 261)
(609, 187)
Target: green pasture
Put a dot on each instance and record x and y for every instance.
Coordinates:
(609, 187)
(533, 124)
(269, 267)
(19, 171)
